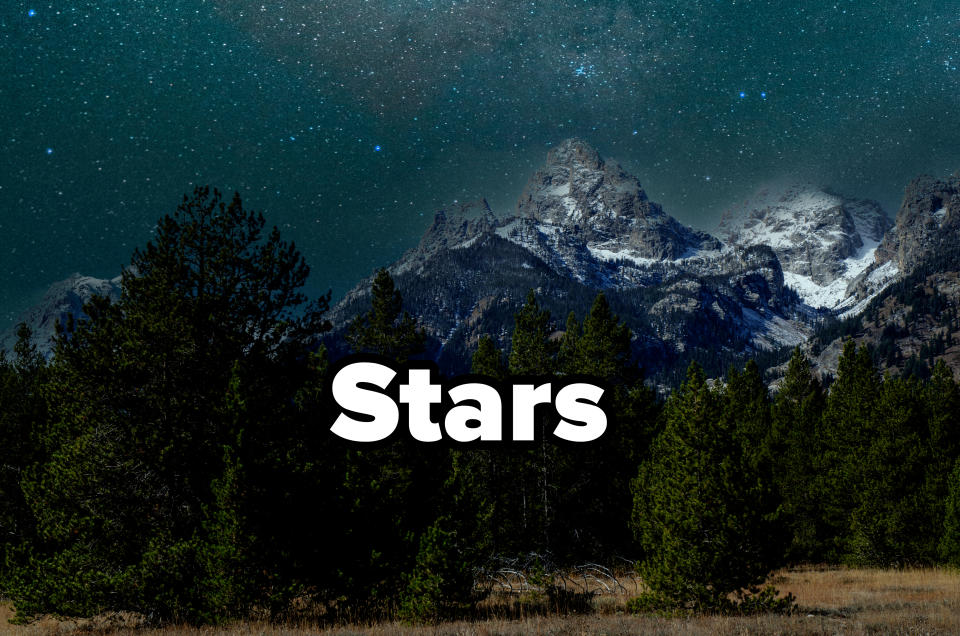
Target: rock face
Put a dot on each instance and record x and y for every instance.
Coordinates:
(930, 213)
(597, 202)
(583, 224)
(791, 256)
(824, 241)
(914, 320)
(455, 226)
(61, 299)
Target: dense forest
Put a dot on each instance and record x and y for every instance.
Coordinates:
(173, 457)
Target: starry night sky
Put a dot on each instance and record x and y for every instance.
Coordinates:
(348, 123)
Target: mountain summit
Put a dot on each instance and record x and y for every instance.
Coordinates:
(791, 256)
(583, 224)
(824, 241)
(603, 205)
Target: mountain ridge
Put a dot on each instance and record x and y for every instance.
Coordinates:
(788, 258)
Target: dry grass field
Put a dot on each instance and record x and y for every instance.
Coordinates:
(831, 601)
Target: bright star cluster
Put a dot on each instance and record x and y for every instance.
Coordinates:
(349, 123)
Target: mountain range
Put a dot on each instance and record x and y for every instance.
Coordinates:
(791, 265)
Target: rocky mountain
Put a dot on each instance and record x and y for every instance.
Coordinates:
(582, 224)
(597, 203)
(824, 241)
(913, 320)
(62, 298)
(794, 265)
(928, 219)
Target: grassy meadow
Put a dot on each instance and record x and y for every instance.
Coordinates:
(829, 600)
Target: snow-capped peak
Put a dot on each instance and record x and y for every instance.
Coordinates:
(824, 241)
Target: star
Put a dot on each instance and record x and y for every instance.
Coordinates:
(49, 151)
(32, 12)
(377, 148)
(742, 94)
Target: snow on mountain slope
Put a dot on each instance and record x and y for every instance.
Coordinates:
(824, 241)
(62, 298)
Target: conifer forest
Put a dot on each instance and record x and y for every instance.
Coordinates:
(173, 457)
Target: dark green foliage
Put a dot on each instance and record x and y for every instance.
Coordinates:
(795, 447)
(848, 422)
(23, 411)
(386, 329)
(141, 484)
(746, 412)
(568, 357)
(173, 459)
(571, 501)
(949, 548)
(387, 496)
(699, 505)
(889, 524)
(488, 360)
(940, 400)
(531, 351)
(602, 349)
(441, 583)
(876, 486)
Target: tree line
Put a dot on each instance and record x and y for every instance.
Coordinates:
(172, 457)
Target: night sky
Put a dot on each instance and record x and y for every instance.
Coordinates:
(348, 123)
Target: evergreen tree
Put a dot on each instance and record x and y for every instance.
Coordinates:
(569, 352)
(941, 404)
(389, 495)
(847, 426)
(531, 352)
(603, 349)
(441, 583)
(698, 510)
(949, 547)
(386, 329)
(598, 502)
(795, 448)
(746, 413)
(889, 524)
(136, 437)
(23, 413)
(488, 360)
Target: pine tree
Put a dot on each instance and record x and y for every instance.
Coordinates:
(949, 547)
(890, 524)
(746, 412)
(795, 448)
(23, 413)
(941, 403)
(386, 329)
(568, 356)
(441, 583)
(698, 510)
(531, 352)
(598, 502)
(136, 434)
(603, 349)
(389, 495)
(488, 360)
(847, 426)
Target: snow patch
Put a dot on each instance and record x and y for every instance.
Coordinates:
(560, 190)
(611, 256)
(878, 280)
(833, 295)
(467, 243)
(773, 331)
